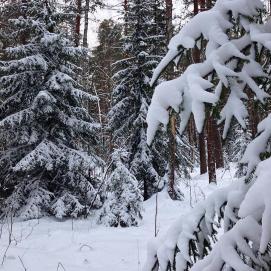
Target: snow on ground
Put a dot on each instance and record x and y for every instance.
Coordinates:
(81, 245)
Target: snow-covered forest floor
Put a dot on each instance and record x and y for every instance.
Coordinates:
(48, 245)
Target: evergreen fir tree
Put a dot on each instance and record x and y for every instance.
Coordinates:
(123, 205)
(131, 96)
(48, 139)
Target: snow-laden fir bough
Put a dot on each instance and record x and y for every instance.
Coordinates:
(237, 58)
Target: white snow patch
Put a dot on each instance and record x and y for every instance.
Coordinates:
(81, 245)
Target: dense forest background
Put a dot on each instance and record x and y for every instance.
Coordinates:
(96, 133)
(65, 153)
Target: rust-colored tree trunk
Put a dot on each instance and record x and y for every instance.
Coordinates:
(85, 36)
(202, 153)
(219, 158)
(196, 7)
(214, 145)
(172, 117)
(169, 7)
(192, 138)
(78, 22)
(253, 114)
(211, 138)
(202, 144)
(172, 156)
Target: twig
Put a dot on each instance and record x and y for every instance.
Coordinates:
(190, 195)
(9, 238)
(138, 258)
(72, 224)
(5, 254)
(85, 245)
(31, 231)
(156, 210)
(22, 263)
(156, 214)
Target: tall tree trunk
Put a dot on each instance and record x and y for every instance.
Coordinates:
(196, 7)
(169, 7)
(192, 138)
(172, 155)
(23, 34)
(211, 150)
(125, 4)
(85, 36)
(253, 114)
(172, 116)
(214, 145)
(78, 23)
(202, 144)
(212, 133)
(219, 157)
(202, 153)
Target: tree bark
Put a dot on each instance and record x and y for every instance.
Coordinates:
(211, 150)
(253, 114)
(169, 7)
(202, 153)
(196, 7)
(219, 157)
(78, 23)
(172, 155)
(192, 138)
(172, 117)
(202, 144)
(85, 36)
(125, 4)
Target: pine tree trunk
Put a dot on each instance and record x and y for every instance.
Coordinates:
(202, 144)
(253, 114)
(211, 138)
(172, 155)
(23, 34)
(169, 7)
(192, 138)
(125, 16)
(219, 158)
(196, 7)
(172, 117)
(202, 153)
(85, 36)
(78, 23)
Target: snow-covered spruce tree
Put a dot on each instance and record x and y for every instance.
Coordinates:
(47, 138)
(123, 205)
(237, 59)
(132, 95)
